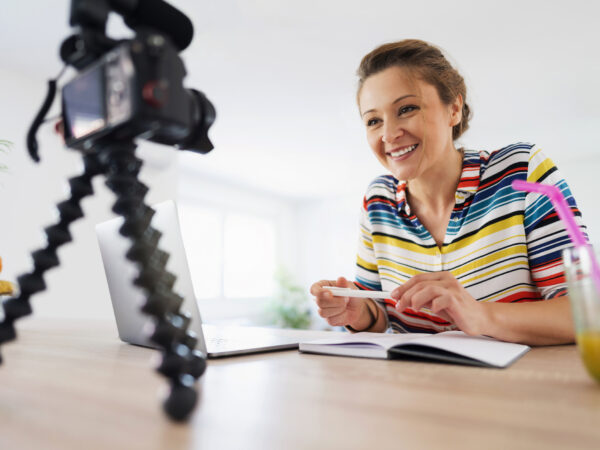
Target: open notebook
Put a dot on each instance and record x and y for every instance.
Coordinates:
(449, 346)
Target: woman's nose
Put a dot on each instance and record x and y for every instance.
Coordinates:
(391, 132)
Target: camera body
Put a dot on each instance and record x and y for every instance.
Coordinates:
(136, 90)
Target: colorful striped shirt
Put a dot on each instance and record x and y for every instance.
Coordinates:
(502, 245)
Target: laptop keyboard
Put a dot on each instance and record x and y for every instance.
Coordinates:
(230, 340)
(217, 344)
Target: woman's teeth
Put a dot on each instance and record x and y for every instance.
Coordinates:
(403, 151)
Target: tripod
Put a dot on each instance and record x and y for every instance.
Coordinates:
(181, 364)
(126, 89)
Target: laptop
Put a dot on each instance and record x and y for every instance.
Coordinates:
(134, 326)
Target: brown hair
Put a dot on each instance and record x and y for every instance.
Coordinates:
(431, 66)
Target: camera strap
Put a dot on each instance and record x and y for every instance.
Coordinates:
(32, 144)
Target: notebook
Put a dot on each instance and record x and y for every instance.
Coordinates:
(449, 346)
(134, 327)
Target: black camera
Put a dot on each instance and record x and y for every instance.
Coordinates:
(136, 90)
(130, 88)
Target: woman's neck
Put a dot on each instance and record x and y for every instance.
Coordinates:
(435, 189)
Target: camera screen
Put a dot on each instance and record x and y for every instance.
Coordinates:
(84, 103)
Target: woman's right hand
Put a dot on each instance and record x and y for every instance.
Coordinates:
(340, 311)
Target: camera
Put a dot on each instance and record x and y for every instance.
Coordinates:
(136, 90)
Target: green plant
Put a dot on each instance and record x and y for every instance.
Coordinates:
(5, 147)
(290, 307)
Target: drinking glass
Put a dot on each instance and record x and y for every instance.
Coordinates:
(584, 294)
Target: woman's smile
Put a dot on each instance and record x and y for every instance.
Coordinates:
(401, 153)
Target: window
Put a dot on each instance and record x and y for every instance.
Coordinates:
(249, 256)
(231, 255)
(203, 235)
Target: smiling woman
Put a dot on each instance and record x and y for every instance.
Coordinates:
(457, 247)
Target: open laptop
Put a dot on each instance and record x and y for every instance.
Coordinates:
(134, 326)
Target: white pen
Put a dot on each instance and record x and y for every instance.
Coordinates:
(346, 292)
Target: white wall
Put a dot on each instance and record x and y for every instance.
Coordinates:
(29, 191)
(329, 237)
(583, 176)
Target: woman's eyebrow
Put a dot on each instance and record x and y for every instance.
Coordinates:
(402, 98)
(393, 103)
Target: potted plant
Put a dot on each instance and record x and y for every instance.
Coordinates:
(290, 307)
(5, 147)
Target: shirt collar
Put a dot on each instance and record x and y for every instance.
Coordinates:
(467, 186)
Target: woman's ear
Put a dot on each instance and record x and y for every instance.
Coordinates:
(456, 110)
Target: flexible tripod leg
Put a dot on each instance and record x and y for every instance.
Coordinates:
(46, 258)
(181, 364)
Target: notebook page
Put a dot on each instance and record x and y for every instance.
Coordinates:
(384, 340)
(482, 348)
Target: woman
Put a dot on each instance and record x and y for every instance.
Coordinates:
(446, 233)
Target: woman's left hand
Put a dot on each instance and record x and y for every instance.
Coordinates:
(443, 294)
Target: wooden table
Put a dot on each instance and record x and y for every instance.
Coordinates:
(73, 385)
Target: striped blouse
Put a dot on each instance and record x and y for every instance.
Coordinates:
(503, 245)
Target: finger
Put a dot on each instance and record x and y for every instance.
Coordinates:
(329, 312)
(457, 313)
(420, 296)
(417, 283)
(326, 299)
(405, 301)
(317, 287)
(419, 278)
(424, 296)
(337, 321)
(342, 282)
(442, 307)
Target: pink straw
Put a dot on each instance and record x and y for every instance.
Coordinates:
(566, 215)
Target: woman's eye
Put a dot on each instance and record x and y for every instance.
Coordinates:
(372, 122)
(407, 109)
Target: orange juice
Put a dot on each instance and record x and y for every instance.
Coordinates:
(589, 347)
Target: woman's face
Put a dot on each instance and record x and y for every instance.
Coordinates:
(408, 127)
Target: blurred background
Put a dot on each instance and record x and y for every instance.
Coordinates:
(275, 206)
